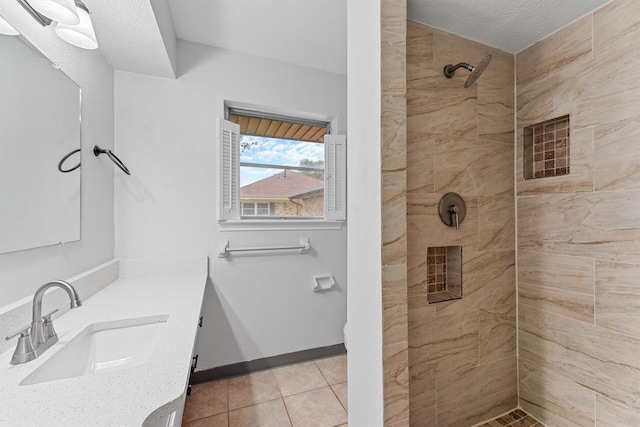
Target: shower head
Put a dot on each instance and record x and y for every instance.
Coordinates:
(450, 70)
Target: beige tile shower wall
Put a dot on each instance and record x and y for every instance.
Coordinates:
(579, 234)
(462, 354)
(394, 224)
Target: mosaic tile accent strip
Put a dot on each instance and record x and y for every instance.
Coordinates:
(515, 418)
(437, 269)
(547, 150)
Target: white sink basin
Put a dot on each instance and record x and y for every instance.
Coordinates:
(102, 347)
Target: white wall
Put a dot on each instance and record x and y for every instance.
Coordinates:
(21, 273)
(256, 306)
(364, 212)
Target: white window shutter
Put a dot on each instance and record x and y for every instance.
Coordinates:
(228, 170)
(335, 177)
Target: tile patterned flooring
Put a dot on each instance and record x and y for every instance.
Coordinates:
(309, 394)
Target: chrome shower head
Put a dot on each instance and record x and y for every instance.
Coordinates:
(450, 70)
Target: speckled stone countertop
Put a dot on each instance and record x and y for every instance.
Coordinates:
(126, 397)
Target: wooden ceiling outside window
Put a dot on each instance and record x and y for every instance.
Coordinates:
(272, 128)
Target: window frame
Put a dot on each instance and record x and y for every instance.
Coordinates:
(235, 222)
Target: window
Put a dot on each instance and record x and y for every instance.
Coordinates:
(279, 168)
(258, 209)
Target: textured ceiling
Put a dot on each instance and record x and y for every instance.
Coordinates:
(510, 25)
(135, 36)
(311, 33)
(140, 35)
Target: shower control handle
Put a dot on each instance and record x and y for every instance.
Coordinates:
(455, 210)
(452, 210)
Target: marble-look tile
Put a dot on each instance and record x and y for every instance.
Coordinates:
(496, 223)
(488, 279)
(441, 105)
(616, 157)
(621, 15)
(422, 392)
(612, 414)
(401, 423)
(491, 387)
(396, 382)
(560, 284)
(496, 112)
(580, 179)
(582, 224)
(220, 420)
(554, 399)
(447, 342)
(266, 414)
(497, 333)
(611, 83)
(299, 378)
(316, 408)
(597, 358)
(471, 166)
(206, 400)
(394, 228)
(341, 392)
(254, 388)
(394, 16)
(394, 179)
(419, 50)
(394, 133)
(334, 369)
(416, 275)
(393, 61)
(569, 45)
(394, 303)
(617, 296)
(420, 162)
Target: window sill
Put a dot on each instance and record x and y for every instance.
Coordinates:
(281, 225)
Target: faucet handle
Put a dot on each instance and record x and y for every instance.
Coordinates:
(47, 317)
(24, 332)
(47, 325)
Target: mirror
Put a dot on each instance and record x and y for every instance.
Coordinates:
(39, 125)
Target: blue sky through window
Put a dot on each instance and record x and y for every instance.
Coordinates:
(277, 152)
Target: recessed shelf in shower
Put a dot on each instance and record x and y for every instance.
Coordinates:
(444, 273)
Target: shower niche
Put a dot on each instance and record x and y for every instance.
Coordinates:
(546, 149)
(444, 273)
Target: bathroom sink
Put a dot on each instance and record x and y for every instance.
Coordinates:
(102, 347)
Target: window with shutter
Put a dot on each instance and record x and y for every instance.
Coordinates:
(280, 168)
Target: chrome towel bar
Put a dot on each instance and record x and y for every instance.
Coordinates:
(304, 247)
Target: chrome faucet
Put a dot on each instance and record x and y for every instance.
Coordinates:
(38, 337)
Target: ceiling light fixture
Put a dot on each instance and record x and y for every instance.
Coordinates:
(6, 28)
(57, 10)
(78, 32)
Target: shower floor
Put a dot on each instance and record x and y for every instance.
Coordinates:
(515, 418)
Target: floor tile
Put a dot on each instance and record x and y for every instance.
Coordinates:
(220, 420)
(316, 408)
(254, 388)
(266, 414)
(334, 369)
(299, 378)
(341, 391)
(206, 400)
